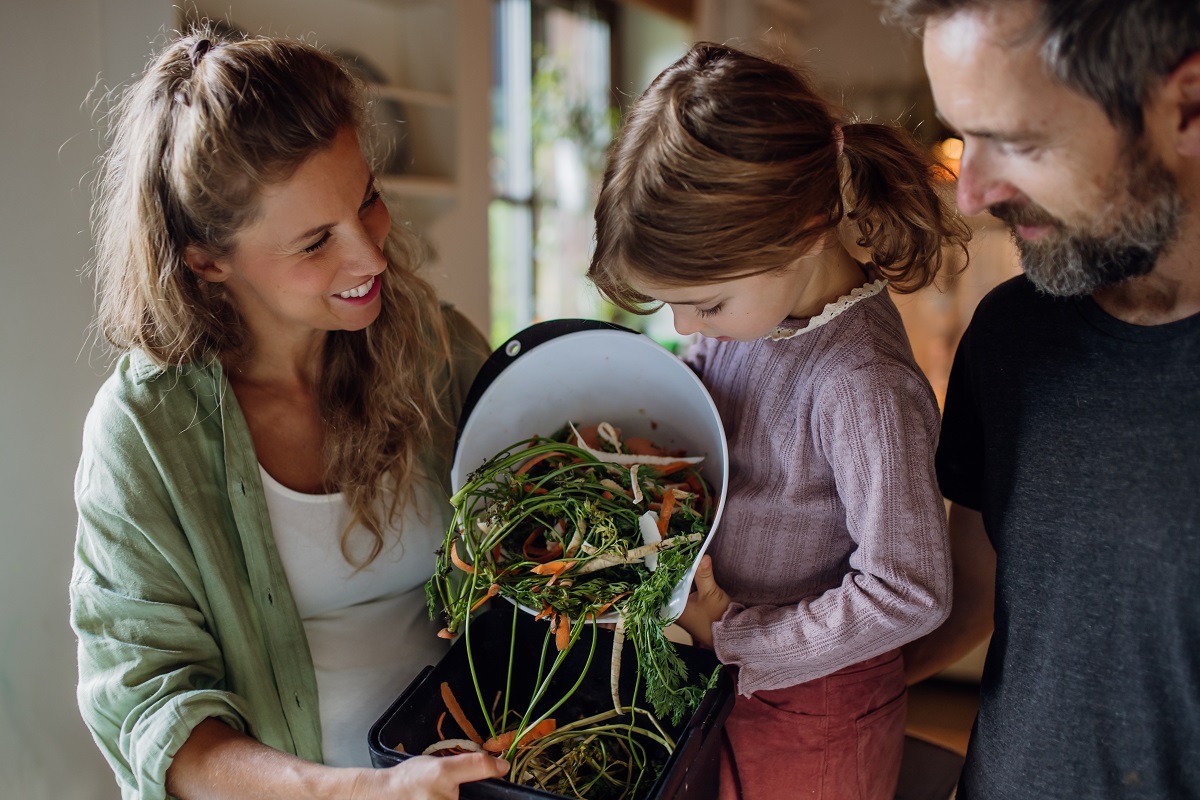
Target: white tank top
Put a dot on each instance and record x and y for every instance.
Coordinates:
(369, 631)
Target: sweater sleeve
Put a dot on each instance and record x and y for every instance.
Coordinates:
(878, 427)
(149, 669)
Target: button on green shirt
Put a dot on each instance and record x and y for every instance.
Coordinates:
(179, 600)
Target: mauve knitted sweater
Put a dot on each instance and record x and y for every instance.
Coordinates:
(833, 540)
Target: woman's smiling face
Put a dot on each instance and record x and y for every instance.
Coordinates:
(312, 261)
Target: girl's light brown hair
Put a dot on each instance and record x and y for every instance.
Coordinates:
(193, 143)
(728, 166)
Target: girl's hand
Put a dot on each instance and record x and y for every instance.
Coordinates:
(426, 777)
(705, 605)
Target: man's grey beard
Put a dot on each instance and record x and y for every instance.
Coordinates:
(1141, 218)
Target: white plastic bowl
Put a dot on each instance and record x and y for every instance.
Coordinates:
(589, 372)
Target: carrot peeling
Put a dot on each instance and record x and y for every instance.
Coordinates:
(459, 717)
(504, 741)
(457, 561)
(562, 634)
(611, 603)
(535, 461)
(664, 516)
(552, 568)
(492, 591)
(542, 554)
(667, 469)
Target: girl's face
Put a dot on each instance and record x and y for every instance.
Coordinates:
(313, 259)
(742, 309)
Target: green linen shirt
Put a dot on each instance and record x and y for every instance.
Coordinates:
(179, 600)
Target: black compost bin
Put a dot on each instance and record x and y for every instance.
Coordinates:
(410, 725)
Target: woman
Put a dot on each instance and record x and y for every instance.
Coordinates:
(264, 475)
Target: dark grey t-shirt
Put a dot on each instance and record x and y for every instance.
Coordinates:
(1078, 438)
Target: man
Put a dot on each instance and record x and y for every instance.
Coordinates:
(1071, 438)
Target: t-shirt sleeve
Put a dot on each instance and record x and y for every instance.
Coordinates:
(960, 455)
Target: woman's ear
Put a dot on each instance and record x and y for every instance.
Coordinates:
(203, 264)
(1183, 88)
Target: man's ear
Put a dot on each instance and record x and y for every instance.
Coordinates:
(201, 262)
(1183, 89)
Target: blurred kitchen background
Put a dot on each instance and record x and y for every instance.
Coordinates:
(498, 113)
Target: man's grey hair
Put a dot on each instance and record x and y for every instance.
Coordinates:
(1114, 51)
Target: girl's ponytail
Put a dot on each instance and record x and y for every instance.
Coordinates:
(897, 200)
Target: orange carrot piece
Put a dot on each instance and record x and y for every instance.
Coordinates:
(445, 633)
(664, 516)
(555, 550)
(535, 461)
(441, 719)
(504, 741)
(562, 634)
(459, 717)
(498, 744)
(542, 554)
(667, 469)
(611, 603)
(458, 562)
(641, 446)
(555, 568)
(492, 591)
(545, 612)
(543, 728)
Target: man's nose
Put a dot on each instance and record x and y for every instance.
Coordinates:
(981, 183)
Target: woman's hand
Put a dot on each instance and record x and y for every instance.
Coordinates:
(705, 605)
(426, 777)
(219, 763)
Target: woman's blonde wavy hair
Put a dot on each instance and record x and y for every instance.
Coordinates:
(728, 166)
(193, 143)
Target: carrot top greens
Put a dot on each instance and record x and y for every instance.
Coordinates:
(577, 532)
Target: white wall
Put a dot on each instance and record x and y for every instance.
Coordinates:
(51, 53)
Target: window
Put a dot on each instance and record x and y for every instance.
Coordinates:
(553, 119)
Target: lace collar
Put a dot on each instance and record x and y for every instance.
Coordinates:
(830, 311)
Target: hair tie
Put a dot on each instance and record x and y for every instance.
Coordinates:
(198, 50)
(839, 139)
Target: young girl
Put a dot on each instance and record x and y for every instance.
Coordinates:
(265, 473)
(723, 198)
